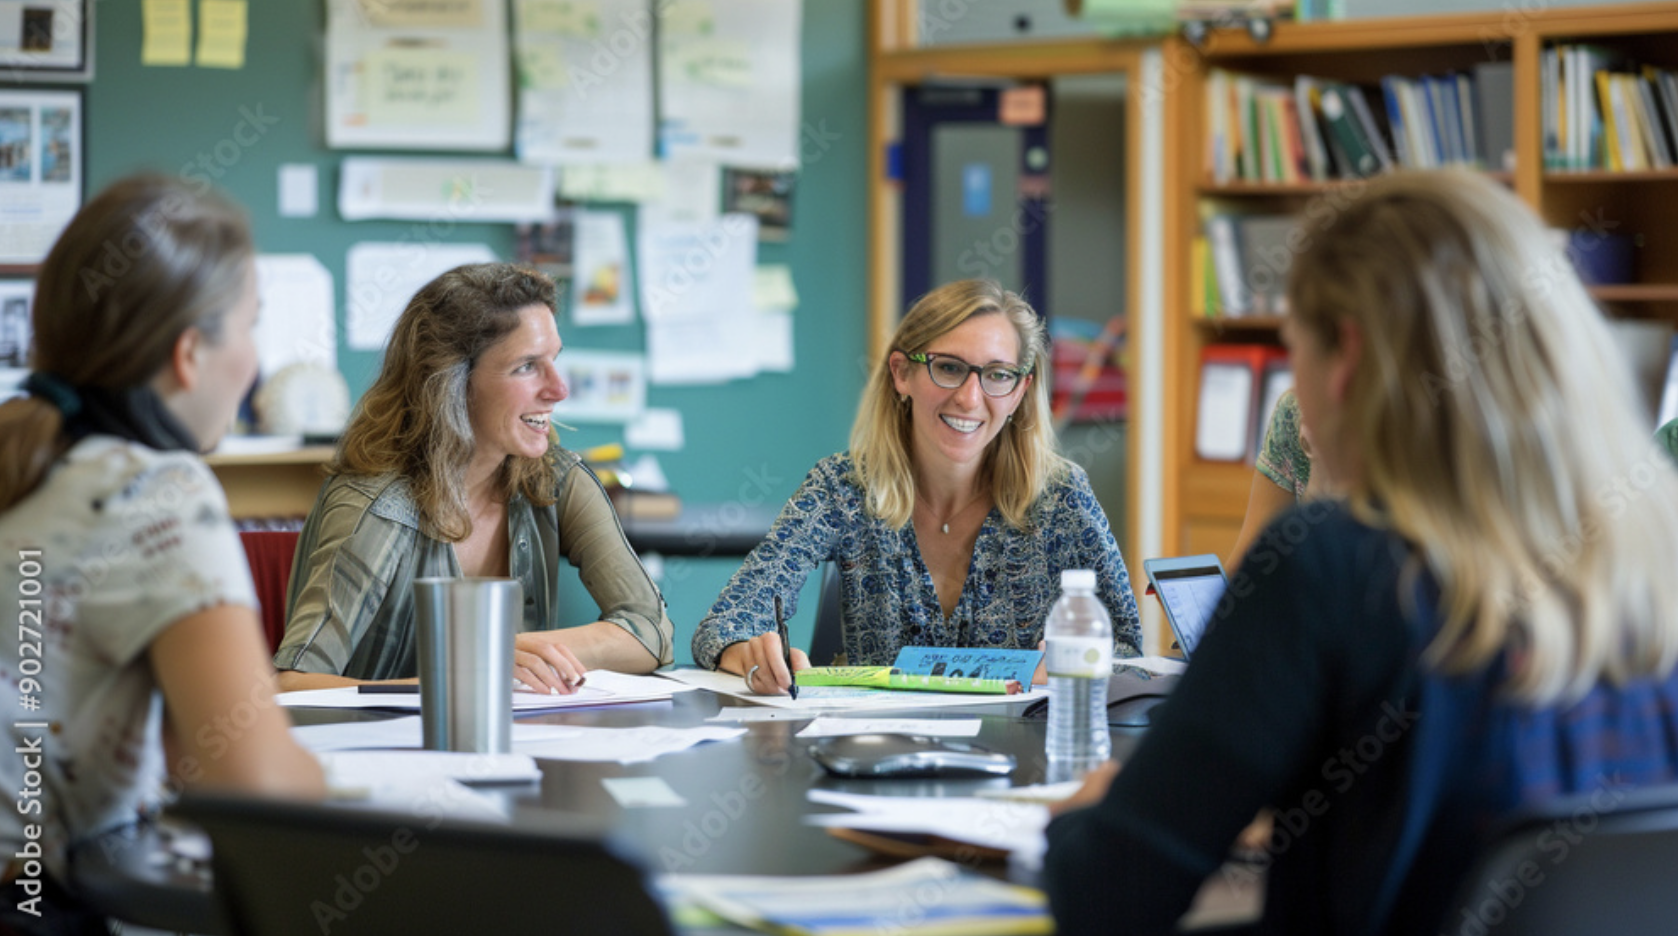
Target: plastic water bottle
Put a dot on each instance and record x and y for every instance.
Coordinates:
(1079, 660)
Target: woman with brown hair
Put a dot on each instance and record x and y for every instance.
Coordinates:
(449, 468)
(129, 584)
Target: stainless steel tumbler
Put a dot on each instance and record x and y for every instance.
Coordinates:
(465, 629)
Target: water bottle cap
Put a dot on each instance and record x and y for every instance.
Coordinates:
(1082, 579)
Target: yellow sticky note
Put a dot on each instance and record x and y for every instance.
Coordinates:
(221, 33)
(166, 28)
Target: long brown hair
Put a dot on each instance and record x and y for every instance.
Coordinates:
(1022, 459)
(415, 421)
(143, 261)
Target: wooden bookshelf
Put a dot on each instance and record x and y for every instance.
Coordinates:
(1203, 512)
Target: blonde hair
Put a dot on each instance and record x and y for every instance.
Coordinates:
(1022, 460)
(416, 420)
(1499, 433)
(139, 264)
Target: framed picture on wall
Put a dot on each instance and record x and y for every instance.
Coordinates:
(15, 331)
(46, 41)
(40, 170)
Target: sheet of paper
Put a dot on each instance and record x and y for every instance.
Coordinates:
(770, 344)
(1001, 824)
(384, 276)
(696, 282)
(828, 727)
(924, 895)
(602, 687)
(613, 745)
(601, 286)
(813, 700)
(403, 732)
(655, 428)
(773, 289)
(417, 74)
(16, 297)
(299, 186)
(444, 191)
(585, 80)
(166, 32)
(692, 190)
(606, 386)
(1162, 665)
(729, 78)
(346, 770)
(617, 182)
(298, 321)
(222, 31)
(631, 792)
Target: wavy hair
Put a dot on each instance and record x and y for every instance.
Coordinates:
(1022, 460)
(143, 261)
(416, 422)
(1499, 433)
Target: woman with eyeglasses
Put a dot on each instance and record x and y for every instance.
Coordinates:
(950, 517)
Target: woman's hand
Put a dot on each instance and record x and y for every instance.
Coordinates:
(1094, 789)
(760, 662)
(543, 662)
(1041, 677)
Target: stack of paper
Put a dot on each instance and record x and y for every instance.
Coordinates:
(926, 896)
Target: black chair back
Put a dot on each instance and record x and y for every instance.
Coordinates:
(1602, 863)
(284, 868)
(825, 643)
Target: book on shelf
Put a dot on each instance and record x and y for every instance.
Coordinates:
(1232, 379)
(1494, 110)
(1246, 271)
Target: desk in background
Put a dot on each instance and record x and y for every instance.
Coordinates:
(271, 484)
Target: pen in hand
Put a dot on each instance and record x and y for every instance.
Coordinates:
(786, 648)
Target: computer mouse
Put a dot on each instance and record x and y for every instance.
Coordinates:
(895, 755)
(1134, 711)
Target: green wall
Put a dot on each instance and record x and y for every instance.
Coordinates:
(749, 441)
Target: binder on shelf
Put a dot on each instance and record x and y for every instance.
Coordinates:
(1231, 379)
(1494, 108)
(1277, 378)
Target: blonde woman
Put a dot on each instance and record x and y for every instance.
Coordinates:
(951, 517)
(137, 640)
(450, 467)
(1488, 620)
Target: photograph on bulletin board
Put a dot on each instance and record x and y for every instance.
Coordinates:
(766, 194)
(40, 170)
(15, 332)
(46, 41)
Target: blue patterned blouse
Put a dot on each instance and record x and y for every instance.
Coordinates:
(887, 594)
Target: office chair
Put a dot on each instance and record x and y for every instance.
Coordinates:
(269, 553)
(825, 643)
(283, 868)
(1584, 865)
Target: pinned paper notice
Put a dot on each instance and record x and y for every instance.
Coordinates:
(659, 429)
(299, 190)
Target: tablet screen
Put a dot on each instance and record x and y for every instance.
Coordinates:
(1190, 597)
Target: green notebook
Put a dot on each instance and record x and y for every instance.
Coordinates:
(890, 677)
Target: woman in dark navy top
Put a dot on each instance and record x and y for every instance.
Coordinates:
(1487, 620)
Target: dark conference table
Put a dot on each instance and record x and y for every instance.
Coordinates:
(770, 769)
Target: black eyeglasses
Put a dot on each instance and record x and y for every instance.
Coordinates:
(949, 372)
